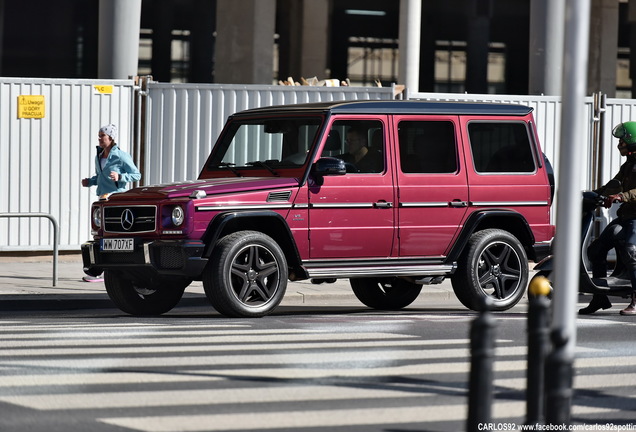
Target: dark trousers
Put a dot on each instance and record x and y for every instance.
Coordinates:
(619, 234)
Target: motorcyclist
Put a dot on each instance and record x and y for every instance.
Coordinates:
(621, 232)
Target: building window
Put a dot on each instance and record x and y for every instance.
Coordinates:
(372, 61)
(450, 67)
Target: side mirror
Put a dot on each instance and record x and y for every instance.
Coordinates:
(328, 166)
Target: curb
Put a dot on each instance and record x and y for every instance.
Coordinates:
(67, 302)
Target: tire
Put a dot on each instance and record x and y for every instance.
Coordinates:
(385, 293)
(494, 264)
(246, 275)
(159, 296)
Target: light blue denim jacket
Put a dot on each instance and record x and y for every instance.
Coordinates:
(118, 161)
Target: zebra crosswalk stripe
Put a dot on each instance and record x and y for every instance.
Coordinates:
(85, 368)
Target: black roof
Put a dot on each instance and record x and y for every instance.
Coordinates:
(397, 107)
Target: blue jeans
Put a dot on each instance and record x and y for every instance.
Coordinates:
(619, 234)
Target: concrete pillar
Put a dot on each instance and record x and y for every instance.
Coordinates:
(631, 10)
(517, 74)
(603, 47)
(1, 32)
(245, 41)
(547, 24)
(162, 14)
(339, 47)
(409, 45)
(427, 48)
(119, 22)
(202, 45)
(304, 38)
(479, 13)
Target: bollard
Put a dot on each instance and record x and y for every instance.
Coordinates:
(538, 347)
(559, 371)
(480, 391)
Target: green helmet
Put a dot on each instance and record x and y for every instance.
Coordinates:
(627, 133)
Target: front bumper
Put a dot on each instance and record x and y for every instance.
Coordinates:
(164, 257)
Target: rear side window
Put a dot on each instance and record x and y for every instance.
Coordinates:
(427, 147)
(501, 147)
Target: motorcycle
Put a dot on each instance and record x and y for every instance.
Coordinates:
(617, 284)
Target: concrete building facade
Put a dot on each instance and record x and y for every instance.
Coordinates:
(476, 46)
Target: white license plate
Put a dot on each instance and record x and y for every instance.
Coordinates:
(118, 245)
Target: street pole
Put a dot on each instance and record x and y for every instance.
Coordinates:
(559, 365)
(482, 352)
(538, 346)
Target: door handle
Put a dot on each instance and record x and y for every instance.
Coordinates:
(458, 203)
(382, 204)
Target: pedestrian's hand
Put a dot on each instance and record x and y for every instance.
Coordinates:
(612, 199)
(85, 182)
(114, 176)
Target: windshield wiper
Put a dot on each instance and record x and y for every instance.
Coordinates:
(263, 165)
(230, 166)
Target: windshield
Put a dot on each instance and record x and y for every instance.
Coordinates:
(264, 144)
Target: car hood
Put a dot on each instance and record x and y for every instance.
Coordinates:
(209, 186)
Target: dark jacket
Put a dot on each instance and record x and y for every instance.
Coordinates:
(627, 176)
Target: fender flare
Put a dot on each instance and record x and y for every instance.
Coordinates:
(479, 220)
(277, 228)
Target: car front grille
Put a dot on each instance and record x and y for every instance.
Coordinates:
(129, 219)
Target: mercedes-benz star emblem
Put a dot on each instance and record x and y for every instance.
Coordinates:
(127, 219)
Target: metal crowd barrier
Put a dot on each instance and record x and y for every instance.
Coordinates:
(55, 234)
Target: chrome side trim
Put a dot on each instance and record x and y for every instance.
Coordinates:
(425, 204)
(228, 207)
(341, 205)
(508, 203)
(348, 272)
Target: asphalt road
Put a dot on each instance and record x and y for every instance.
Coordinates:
(306, 368)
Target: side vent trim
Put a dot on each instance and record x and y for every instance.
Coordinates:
(279, 196)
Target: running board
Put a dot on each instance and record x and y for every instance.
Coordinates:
(377, 271)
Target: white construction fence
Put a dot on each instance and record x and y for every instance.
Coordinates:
(48, 134)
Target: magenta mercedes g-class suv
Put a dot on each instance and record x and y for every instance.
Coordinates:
(392, 195)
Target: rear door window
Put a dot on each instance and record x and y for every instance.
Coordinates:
(501, 147)
(427, 147)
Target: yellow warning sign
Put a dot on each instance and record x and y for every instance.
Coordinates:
(103, 89)
(31, 106)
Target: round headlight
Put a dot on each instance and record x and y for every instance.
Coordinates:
(178, 216)
(97, 217)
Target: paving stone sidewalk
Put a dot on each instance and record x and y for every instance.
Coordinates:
(28, 283)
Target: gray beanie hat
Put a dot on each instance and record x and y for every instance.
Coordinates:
(110, 129)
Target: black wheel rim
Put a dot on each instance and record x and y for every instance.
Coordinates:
(254, 275)
(499, 270)
(390, 287)
(144, 292)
